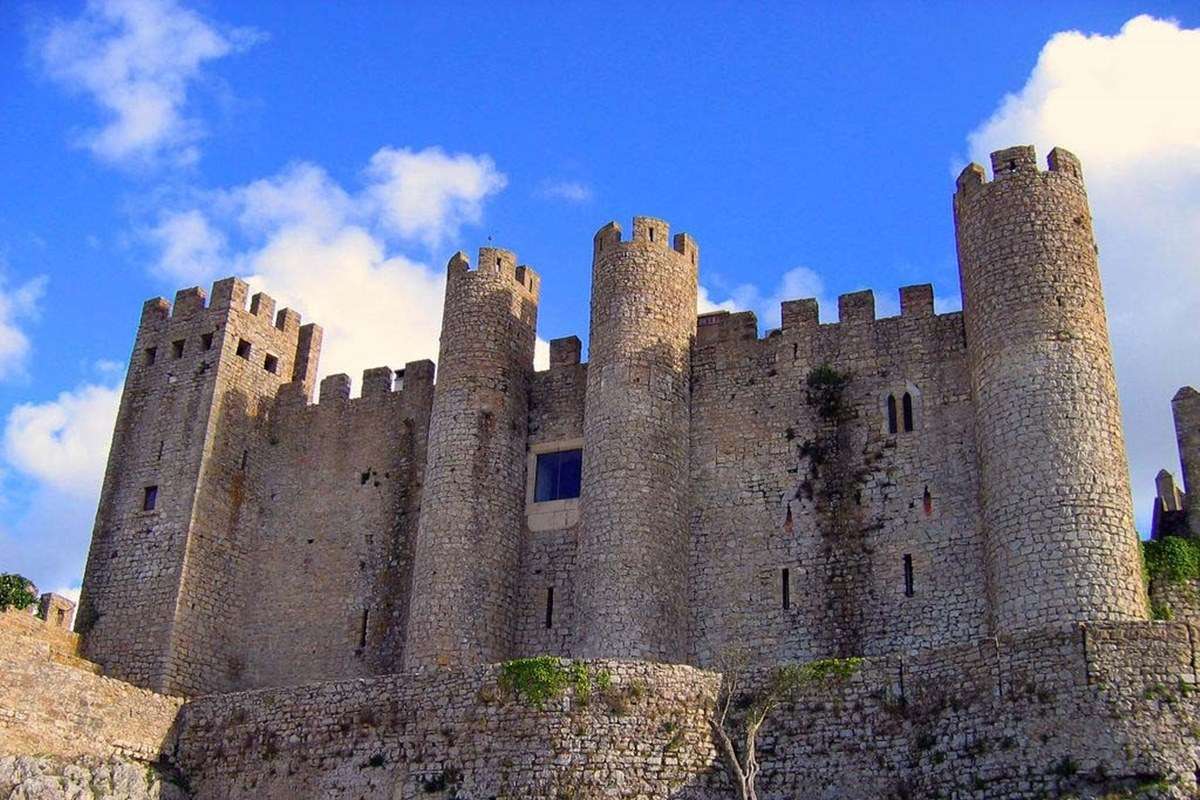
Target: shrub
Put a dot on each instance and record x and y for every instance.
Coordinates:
(16, 592)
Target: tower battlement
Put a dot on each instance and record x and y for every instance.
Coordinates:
(1019, 160)
(647, 232)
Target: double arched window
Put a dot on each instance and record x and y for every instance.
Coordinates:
(900, 409)
(906, 411)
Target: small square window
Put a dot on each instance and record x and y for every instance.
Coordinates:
(206, 341)
(151, 354)
(243, 349)
(271, 364)
(557, 475)
(150, 498)
(177, 349)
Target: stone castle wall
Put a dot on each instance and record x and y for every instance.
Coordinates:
(1015, 717)
(836, 499)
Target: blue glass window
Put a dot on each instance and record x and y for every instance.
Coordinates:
(557, 475)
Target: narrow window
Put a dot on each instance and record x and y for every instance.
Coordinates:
(927, 502)
(150, 498)
(652, 234)
(177, 349)
(558, 475)
(362, 631)
(62, 618)
(151, 354)
(908, 412)
(549, 606)
(206, 341)
(787, 588)
(908, 576)
(161, 444)
(245, 455)
(243, 349)
(271, 364)
(891, 413)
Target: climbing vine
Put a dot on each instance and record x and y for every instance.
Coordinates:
(16, 591)
(825, 389)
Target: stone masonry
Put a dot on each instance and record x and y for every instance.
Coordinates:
(299, 598)
(957, 476)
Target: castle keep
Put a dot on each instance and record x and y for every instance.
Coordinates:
(864, 487)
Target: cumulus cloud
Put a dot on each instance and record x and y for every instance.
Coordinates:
(337, 254)
(63, 443)
(58, 449)
(570, 191)
(17, 305)
(1128, 105)
(191, 249)
(137, 60)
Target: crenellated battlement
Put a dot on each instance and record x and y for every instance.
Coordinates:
(416, 376)
(647, 232)
(800, 317)
(1019, 160)
(493, 263)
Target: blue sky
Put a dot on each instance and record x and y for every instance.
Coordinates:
(340, 155)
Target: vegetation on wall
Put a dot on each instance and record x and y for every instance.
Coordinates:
(1172, 559)
(540, 679)
(740, 712)
(825, 388)
(16, 591)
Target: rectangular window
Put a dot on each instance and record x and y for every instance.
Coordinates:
(243, 349)
(151, 354)
(908, 576)
(271, 364)
(177, 349)
(787, 588)
(150, 498)
(557, 475)
(549, 606)
(362, 629)
(206, 341)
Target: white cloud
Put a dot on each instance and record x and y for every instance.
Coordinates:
(334, 254)
(59, 448)
(1129, 106)
(428, 195)
(796, 284)
(571, 191)
(137, 60)
(17, 305)
(63, 443)
(192, 250)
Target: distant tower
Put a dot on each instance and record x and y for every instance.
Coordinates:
(1186, 409)
(162, 578)
(1054, 481)
(633, 545)
(465, 566)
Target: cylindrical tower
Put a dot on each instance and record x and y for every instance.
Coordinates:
(465, 563)
(631, 599)
(1054, 480)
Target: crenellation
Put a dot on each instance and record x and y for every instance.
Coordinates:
(800, 315)
(565, 351)
(262, 305)
(856, 308)
(335, 387)
(916, 301)
(188, 302)
(377, 380)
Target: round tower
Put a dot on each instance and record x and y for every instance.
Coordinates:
(1054, 480)
(465, 564)
(633, 542)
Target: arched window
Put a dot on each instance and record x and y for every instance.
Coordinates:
(908, 412)
(891, 412)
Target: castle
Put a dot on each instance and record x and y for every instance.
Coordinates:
(858, 488)
(329, 587)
